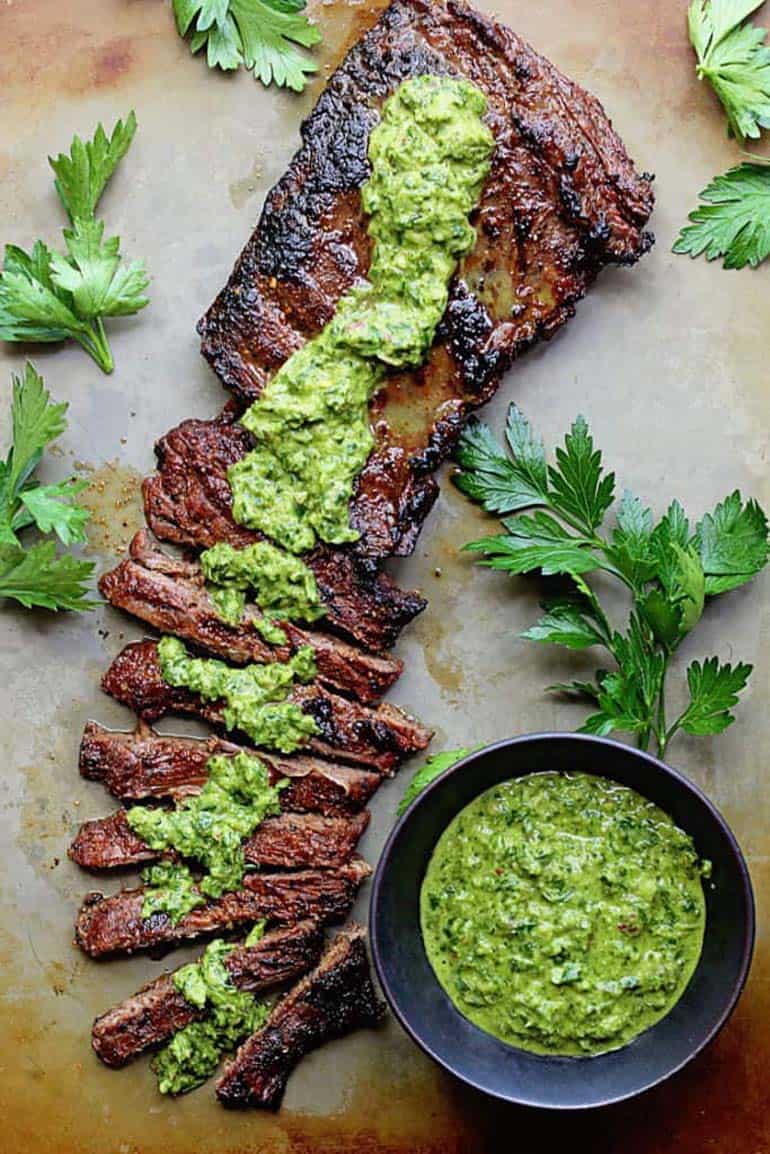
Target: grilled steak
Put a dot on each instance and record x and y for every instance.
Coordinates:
(562, 200)
(110, 925)
(171, 595)
(188, 501)
(144, 764)
(337, 997)
(380, 738)
(150, 1017)
(288, 841)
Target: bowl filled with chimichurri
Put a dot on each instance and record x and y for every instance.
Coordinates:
(562, 921)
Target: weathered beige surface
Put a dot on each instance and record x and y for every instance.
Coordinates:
(670, 363)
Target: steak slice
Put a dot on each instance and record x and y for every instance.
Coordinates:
(188, 501)
(380, 738)
(337, 997)
(287, 841)
(562, 200)
(114, 924)
(152, 1015)
(145, 764)
(172, 596)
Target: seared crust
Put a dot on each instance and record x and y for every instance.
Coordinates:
(171, 595)
(114, 924)
(145, 764)
(288, 841)
(149, 1018)
(380, 738)
(337, 997)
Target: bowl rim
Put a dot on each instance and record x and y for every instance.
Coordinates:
(658, 766)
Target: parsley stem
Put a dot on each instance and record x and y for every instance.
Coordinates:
(94, 341)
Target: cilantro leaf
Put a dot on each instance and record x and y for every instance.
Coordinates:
(631, 541)
(49, 508)
(31, 306)
(269, 37)
(433, 768)
(537, 542)
(82, 177)
(734, 223)
(714, 690)
(35, 422)
(500, 484)
(94, 276)
(733, 57)
(36, 577)
(565, 623)
(579, 490)
(733, 543)
(260, 35)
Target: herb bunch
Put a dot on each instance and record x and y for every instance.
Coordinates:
(38, 576)
(669, 569)
(261, 35)
(52, 296)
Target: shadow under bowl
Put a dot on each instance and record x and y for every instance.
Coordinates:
(491, 1065)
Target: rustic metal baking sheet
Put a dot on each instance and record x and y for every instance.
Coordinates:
(670, 363)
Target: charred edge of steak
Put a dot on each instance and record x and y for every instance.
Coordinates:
(188, 501)
(173, 598)
(380, 738)
(145, 764)
(287, 841)
(151, 1016)
(336, 998)
(114, 924)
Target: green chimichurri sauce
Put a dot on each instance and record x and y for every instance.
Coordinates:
(429, 155)
(254, 695)
(194, 1052)
(209, 827)
(283, 586)
(563, 913)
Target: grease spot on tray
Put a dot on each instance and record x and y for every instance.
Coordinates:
(242, 190)
(114, 497)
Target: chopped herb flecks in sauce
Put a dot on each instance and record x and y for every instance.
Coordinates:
(563, 913)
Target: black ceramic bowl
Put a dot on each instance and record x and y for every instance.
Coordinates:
(514, 1075)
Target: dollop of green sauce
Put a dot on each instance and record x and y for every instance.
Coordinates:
(254, 695)
(283, 586)
(194, 1052)
(209, 827)
(429, 154)
(563, 913)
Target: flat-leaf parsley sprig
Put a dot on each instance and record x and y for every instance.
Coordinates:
(261, 35)
(734, 58)
(668, 567)
(38, 576)
(52, 296)
(734, 221)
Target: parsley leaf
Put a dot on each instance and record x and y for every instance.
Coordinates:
(733, 543)
(433, 768)
(714, 690)
(49, 296)
(37, 576)
(667, 569)
(82, 177)
(262, 35)
(734, 223)
(733, 57)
